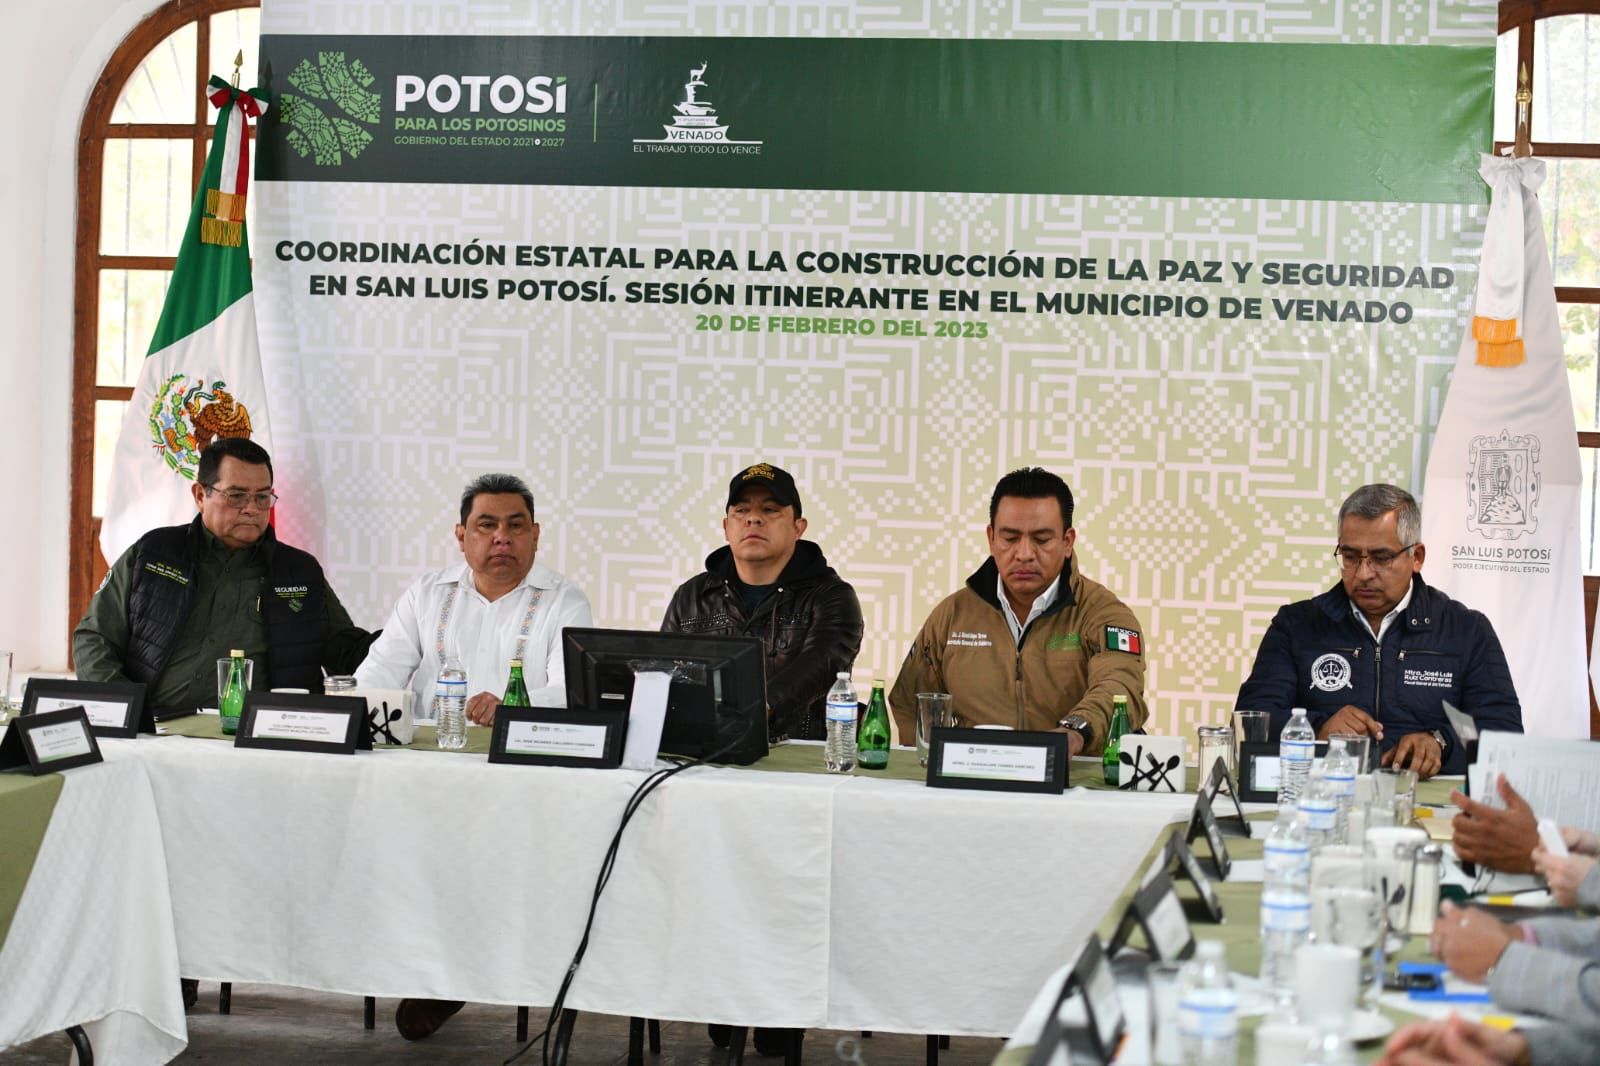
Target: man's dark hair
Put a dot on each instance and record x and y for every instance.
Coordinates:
(241, 448)
(495, 485)
(1033, 483)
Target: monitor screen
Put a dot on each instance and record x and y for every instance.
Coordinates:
(717, 702)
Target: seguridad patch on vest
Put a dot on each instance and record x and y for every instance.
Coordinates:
(1330, 673)
(1119, 639)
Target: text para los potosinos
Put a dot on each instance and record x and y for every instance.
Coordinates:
(703, 291)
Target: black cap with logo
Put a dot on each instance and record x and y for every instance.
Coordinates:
(777, 481)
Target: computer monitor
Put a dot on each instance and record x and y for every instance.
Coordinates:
(717, 699)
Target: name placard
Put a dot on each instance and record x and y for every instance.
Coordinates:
(291, 722)
(114, 708)
(1157, 910)
(48, 741)
(1203, 823)
(998, 760)
(1185, 863)
(1092, 978)
(1232, 823)
(1260, 773)
(557, 736)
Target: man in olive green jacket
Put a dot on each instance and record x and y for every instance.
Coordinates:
(1029, 643)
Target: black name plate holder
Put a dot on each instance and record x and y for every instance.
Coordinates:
(283, 721)
(559, 736)
(48, 741)
(114, 708)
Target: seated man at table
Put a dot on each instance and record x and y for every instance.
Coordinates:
(1379, 652)
(1029, 643)
(767, 582)
(496, 605)
(184, 596)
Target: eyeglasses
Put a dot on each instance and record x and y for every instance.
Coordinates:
(236, 498)
(1351, 560)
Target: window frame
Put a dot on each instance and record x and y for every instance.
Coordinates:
(86, 566)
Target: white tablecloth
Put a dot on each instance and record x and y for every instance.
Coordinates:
(92, 940)
(740, 896)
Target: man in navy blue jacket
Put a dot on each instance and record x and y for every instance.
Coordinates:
(1380, 652)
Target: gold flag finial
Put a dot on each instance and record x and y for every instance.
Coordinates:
(1524, 138)
(238, 61)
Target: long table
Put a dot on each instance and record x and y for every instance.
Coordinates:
(763, 896)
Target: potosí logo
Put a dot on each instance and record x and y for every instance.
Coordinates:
(489, 102)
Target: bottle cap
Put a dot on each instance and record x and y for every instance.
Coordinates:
(235, 654)
(516, 664)
(877, 682)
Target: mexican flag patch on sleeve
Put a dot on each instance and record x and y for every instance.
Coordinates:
(1119, 639)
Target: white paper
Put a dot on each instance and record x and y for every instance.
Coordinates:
(322, 727)
(1167, 927)
(1560, 779)
(995, 762)
(100, 712)
(1247, 871)
(60, 741)
(646, 715)
(556, 738)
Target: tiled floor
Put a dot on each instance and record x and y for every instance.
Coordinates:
(272, 1025)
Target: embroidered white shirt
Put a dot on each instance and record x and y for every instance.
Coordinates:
(483, 634)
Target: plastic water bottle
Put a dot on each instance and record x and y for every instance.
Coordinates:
(1208, 1008)
(1296, 747)
(1285, 901)
(450, 705)
(1320, 809)
(841, 752)
(1339, 768)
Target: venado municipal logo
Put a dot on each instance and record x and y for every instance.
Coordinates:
(328, 120)
(1503, 486)
(695, 125)
(1330, 673)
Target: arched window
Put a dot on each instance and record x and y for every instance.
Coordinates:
(1550, 52)
(141, 148)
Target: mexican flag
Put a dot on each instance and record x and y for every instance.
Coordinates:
(202, 377)
(1500, 514)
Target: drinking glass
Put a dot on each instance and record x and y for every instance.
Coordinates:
(1354, 919)
(1359, 745)
(5, 685)
(226, 665)
(934, 709)
(1394, 794)
(1250, 727)
(1161, 980)
(1391, 871)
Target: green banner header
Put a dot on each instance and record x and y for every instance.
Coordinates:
(1302, 122)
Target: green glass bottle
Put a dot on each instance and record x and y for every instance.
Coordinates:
(872, 743)
(516, 689)
(1109, 760)
(231, 706)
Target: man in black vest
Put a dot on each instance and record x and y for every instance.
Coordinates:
(183, 596)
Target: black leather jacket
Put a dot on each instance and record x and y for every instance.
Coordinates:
(810, 626)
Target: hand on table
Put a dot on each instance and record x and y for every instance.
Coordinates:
(1469, 941)
(480, 708)
(1452, 1041)
(1499, 839)
(1074, 740)
(1416, 751)
(1562, 873)
(1351, 719)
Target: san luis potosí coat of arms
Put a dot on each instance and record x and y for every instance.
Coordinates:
(183, 420)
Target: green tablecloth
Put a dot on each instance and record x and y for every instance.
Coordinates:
(26, 804)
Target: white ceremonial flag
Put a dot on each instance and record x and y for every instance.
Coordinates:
(1500, 514)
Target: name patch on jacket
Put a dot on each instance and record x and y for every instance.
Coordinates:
(1119, 639)
(964, 639)
(171, 573)
(1065, 642)
(1429, 678)
(295, 594)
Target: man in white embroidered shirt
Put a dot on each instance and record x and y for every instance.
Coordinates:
(496, 606)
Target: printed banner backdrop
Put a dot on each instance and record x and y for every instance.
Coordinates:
(1212, 266)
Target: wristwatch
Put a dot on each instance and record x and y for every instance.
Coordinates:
(1079, 725)
(1439, 736)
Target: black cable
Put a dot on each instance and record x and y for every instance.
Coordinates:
(607, 864)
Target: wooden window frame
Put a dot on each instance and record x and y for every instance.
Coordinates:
(86, 566)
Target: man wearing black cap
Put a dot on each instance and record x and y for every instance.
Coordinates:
(769, 583)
